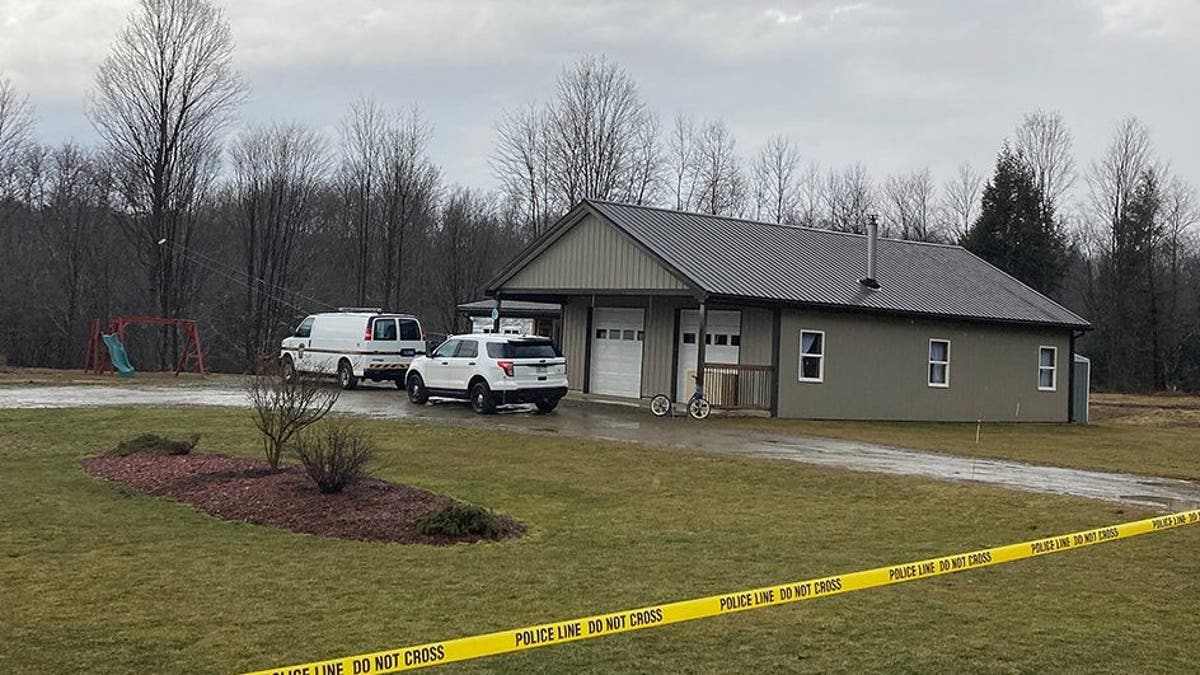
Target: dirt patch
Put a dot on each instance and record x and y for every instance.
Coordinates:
(244, 489)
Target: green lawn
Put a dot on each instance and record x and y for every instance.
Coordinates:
(95, 579)
(1143, 438)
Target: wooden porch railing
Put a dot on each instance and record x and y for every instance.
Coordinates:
(732, 386)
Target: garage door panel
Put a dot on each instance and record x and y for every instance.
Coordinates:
(723, 344)
(618, 334)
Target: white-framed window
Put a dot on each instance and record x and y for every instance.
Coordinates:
(1047, 368)
(939, 363)
(812, 356)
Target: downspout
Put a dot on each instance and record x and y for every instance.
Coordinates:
(700, 346)
(1071, 376)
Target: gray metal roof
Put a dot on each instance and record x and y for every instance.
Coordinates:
(511, 308)
(764, 261)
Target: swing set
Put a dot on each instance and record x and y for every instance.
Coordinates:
(103, 357)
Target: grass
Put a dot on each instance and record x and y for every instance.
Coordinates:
(24, 377)
(1150, 435)
(93, 578)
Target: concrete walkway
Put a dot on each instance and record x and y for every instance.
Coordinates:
(619, 423)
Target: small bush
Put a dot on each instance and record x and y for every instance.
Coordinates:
(335, 454)
(155, 445)
(461, 519)
(282, 409)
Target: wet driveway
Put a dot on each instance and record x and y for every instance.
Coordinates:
(621, 423)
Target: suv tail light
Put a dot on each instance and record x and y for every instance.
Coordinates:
(507, 367)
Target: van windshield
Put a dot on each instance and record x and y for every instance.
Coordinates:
(523, 349)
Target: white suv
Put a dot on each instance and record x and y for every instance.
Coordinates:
(490, 370)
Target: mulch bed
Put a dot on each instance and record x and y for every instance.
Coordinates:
(244, 489)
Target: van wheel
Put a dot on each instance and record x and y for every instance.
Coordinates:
(416, 390)
(288, 369)
(547, 404)
(346, 376)
(482, 401)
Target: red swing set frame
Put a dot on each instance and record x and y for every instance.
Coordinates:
(96, 360)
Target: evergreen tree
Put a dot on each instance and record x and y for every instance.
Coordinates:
(1014, 231)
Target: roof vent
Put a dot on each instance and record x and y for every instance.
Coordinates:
(870, 281)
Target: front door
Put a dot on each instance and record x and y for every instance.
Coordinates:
(723, 345)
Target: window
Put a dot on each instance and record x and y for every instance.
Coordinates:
(689, 338)
(939, 363)
(708, 338)
(641, 336)
(446, 350)
(410, 330)
(630, 335)
(1047, 368)
(722, 339)
(305, 328)
(614, 333)
(735, 340)
(524, 349)
(812, 356)
(467, 349)
(601, 334)
(384, 329)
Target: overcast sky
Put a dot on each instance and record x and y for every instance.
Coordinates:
(894, 84)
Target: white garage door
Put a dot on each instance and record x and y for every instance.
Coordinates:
(722, 345)
(617, 337)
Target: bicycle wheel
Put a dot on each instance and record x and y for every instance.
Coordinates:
(660, 405)
(699, 408)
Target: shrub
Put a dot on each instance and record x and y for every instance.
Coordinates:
(335, 455)
(282, 408)
(460, 519)
(155, 444)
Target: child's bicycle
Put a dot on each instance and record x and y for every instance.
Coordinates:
(697, 406)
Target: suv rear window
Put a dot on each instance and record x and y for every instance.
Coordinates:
(522, 350)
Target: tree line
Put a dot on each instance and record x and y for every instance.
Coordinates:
(175, 212)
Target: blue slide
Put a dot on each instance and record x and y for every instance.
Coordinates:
(120, 359)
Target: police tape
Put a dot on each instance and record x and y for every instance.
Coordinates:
(561, 632)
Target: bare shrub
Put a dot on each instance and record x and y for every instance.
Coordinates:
(282, 408)
(335, 454)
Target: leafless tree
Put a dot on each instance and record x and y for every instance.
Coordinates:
(16, 128)
(720, 181)
(472, 242)
(777, 176)
(521, 163)
(811, 207)
(1044, 140)
(960, 201)
(849, 197)
(362, 135)
(279, 174)
(283, 407)
(1181, 323)
(909, 206)
(682, 155)
(163, 96)
(408, 192)
(1113, 178)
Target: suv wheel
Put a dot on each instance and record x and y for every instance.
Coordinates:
(547, 404)
(481, 399)
(346, 376)
(416, 390)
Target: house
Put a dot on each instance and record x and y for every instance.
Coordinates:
(520, 317)
(800, 322)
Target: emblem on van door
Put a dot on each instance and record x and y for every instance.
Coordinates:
(300, 350)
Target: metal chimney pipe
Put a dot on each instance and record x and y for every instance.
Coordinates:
(871, 280)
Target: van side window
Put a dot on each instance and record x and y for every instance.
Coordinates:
(446, 350)
(467, 349)
(385, 329)
(305, 328)
(410, 330)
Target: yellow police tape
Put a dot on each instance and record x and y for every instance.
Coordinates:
(546, 634)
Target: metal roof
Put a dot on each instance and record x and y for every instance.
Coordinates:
(764, 261)
(511, 307)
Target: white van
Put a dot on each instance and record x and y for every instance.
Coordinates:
(354, 344)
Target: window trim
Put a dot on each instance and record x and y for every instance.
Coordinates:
(930, 363)
(820, 357)
(1053, 368)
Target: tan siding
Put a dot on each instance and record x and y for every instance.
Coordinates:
(757, 325)
(875, 368)
(574, 339)
(593, 255)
